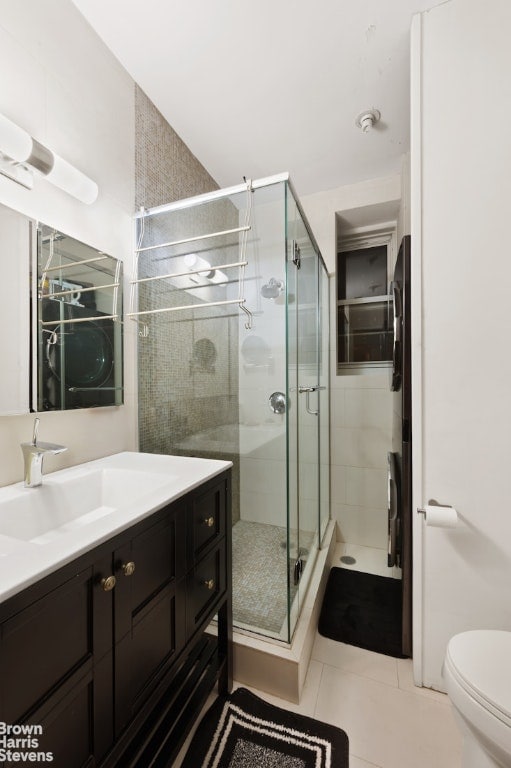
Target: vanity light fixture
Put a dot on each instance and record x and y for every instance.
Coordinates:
(195, 263)
(20, 155)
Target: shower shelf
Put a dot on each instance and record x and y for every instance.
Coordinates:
(240, 265)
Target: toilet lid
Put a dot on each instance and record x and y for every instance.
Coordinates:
(481, 661)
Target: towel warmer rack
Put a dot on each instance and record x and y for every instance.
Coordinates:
(58, 295)
(240, 265)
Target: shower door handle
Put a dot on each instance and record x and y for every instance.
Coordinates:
(307, 391)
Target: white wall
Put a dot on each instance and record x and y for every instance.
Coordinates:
(64, 87)
(321, 208)
(461, 182)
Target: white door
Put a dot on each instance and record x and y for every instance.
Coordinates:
(461, 276)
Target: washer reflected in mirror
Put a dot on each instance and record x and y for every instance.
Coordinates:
(79, 312)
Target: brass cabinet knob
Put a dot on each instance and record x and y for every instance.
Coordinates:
(128, 568)
(209, 521)
(209, 583)
(108, 583)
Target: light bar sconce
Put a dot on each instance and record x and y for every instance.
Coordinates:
(196, 263)
(20, 154)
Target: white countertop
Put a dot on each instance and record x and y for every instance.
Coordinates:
(157, 480)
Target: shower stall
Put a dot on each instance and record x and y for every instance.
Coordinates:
(231, 300)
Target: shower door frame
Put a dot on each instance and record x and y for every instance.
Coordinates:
(322, 325)
(311, 398)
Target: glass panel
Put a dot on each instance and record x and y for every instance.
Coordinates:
(303, 365)
(363, 272)
(365, 331)
(293, 397)
(324, 401)
(79, 335)
(213, 388)
(206, 380)
(263, 588)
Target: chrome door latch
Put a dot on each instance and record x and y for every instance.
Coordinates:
(307, 391)
(297, 570)
(297, 257)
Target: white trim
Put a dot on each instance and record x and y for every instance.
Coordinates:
(367, 236)
(416, 323)
(208, 197)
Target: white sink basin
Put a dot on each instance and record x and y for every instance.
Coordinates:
(66, 503)
(78, 508)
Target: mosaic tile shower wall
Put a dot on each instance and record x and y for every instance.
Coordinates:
(188, 363)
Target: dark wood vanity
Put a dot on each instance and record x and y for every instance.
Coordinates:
(109, 653)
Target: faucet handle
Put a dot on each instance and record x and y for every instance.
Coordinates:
(36, 430)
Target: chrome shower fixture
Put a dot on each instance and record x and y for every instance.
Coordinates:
(272, 289)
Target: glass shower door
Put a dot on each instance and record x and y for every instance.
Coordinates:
(324, 399)
(304, 392)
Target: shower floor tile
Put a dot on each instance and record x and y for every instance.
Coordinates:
(260, 575)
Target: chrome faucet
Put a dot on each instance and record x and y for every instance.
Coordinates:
(33, 454)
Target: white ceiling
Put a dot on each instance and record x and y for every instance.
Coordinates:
(256, 87)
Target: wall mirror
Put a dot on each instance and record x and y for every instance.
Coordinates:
(77, 324)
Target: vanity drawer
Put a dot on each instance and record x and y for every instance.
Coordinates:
(206, 583)
(206, 525)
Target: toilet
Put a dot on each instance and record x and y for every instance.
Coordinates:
(477, 674)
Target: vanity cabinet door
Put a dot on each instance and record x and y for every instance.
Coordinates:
(149, 626)
(206, 524)
(56, 666)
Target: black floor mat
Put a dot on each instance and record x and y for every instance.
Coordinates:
(364, 610)
(243, 731)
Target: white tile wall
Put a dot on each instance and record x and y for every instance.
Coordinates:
(361, 408)
(361, 525)
(360, 447)
(365, 487)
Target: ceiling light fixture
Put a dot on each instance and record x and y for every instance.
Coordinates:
(20, 155)
(367, 119)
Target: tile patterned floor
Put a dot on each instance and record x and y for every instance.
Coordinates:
(259, 575)
(390, 723)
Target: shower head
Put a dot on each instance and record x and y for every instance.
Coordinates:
(272, 289)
